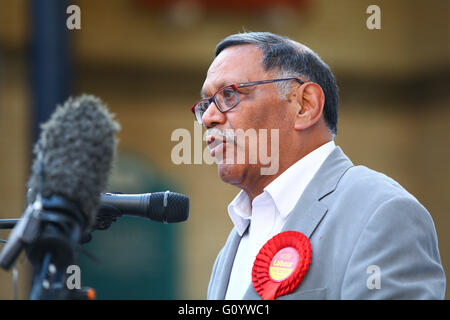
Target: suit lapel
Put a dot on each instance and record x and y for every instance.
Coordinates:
(228, 257)
(309, 211)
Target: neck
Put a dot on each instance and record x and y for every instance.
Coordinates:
(255, 188)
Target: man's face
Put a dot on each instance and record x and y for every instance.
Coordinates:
(260, 107)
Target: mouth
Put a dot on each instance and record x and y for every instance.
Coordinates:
(217, 143)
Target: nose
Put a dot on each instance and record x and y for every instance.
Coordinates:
(213, 117)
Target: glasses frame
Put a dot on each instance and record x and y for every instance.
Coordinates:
(235, 87)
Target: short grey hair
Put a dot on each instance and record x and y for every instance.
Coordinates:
(292, 59)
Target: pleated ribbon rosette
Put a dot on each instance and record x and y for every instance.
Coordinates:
(281, 264)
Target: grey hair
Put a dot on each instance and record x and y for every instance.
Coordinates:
(292, 59)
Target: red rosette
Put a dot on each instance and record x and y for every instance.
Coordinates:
(281, 264)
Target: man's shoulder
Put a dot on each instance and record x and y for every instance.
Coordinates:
(366, 183)
(362, 192)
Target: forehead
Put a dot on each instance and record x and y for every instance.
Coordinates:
(240, 63)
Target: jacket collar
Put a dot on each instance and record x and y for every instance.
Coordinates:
(309, 210)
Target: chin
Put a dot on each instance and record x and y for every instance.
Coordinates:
(231, 173)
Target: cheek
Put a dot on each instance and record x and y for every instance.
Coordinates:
(262, 115)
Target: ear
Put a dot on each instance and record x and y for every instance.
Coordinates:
(310, 100)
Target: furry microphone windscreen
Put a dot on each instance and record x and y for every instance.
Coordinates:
(77, 147)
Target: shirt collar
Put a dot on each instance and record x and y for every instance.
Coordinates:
(295, 179)
(240, 212)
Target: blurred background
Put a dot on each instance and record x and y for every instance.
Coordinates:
(147, 60)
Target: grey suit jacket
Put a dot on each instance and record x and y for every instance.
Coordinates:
(370, 239)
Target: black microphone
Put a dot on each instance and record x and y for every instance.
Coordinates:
(167, 207)
(73, 159)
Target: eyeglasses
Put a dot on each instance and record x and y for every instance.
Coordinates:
(227, 97)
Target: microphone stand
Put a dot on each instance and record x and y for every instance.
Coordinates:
(8, 223)
(59, 228)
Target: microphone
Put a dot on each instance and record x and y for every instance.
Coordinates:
(78, 146)
(73, 159)
(167, 207)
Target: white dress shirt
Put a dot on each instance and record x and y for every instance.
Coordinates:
(267, 214)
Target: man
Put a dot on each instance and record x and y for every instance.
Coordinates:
(370, 238)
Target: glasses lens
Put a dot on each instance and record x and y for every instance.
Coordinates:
(200, 109)
(227, 98)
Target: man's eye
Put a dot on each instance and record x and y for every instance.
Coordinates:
(203, 105)
(228, 93)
